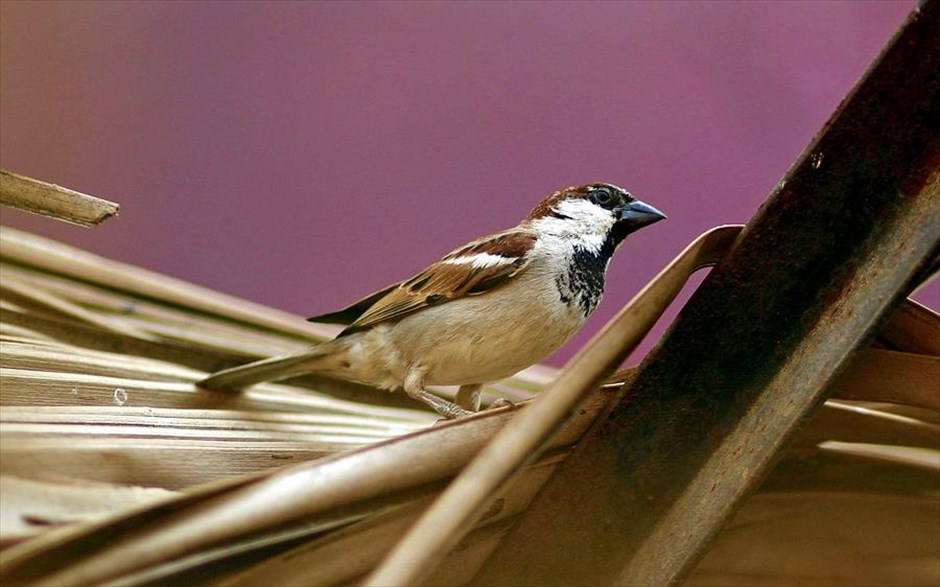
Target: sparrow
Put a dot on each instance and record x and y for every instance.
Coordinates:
(484, 312)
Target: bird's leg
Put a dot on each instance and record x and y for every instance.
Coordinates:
(414, 387)
(448, 409)
(469, 396)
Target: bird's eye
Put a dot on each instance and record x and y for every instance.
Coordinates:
(602, 196)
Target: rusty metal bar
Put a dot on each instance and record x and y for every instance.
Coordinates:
(852, 228)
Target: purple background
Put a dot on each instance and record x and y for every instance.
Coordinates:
(305, 154)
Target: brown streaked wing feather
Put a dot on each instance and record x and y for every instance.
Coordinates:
(443, 282)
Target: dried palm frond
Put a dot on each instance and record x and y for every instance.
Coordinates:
(39, 197)
(121, 472)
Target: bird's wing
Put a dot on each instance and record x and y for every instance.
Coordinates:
(350, 314)
(473, 269)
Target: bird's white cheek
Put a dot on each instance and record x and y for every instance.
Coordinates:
(588, 230)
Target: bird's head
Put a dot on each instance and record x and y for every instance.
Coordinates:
(594, 214)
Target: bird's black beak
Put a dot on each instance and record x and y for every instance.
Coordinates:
(636, 214)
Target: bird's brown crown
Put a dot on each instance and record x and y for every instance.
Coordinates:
(586, 191)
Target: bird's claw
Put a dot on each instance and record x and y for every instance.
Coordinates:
(502, 403)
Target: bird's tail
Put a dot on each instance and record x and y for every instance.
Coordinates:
(271, 369)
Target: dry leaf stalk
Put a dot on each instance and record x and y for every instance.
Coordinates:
(316, 481)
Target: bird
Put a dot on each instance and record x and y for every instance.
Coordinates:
(483, 312)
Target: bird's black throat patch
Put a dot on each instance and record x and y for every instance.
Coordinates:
(583, 282)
